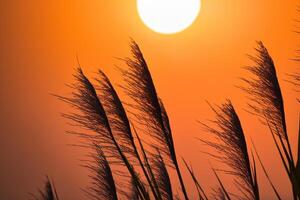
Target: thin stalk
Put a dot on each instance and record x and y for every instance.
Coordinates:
(180, 179)
(288, 155)
(198, 186)
(221, 184)
(279, 151)
(131, 171)
(175, 162)
(155, 191)
(266, 173)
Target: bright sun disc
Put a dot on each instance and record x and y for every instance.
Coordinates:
(168, 16)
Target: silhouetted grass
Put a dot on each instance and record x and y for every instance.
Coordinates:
(151, 112)
(121, 125)
(48, 193)
(267, 103)
(103, 184)
(115, 143)
(200, 191)
(162, 177)
(92, 116)
(232, 150)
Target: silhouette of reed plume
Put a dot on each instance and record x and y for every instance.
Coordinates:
(232, 149)
(103, 184)
(267, 102)
(264, 90)
(162, 177)
(150, 110)
(115, 111)
(48, 193)
(121, 126)
(92, 116)
(90, 113)
(115, 143)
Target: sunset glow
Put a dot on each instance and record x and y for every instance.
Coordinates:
(169, 63)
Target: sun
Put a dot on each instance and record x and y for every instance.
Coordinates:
(168, 16)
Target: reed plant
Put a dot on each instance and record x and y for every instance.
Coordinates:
(124, 166)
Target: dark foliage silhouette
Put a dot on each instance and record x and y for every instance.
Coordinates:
(162, 177)
(121, 125)
(267, 103)
(125, 166)
(200, 191)
(265, 92)
(48, 193)
(93, 117)
(232, 149)
(151, 112)
(103, 184)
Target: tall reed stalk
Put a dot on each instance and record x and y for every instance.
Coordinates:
(149, 107)
(267, 102)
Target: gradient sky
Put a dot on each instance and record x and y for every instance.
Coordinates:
(39, 41)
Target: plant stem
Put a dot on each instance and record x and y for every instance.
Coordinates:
(180, 179)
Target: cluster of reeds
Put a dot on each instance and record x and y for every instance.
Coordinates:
(123, 166)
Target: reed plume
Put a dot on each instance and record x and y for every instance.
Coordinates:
(265, 92)
(162, 177)
(101, 111)
(93, 117)
(117, 116)
(233, 149)
(103, 184)
(267, 102)
(121, 125)
(150, 111)
(142, 90)
(49, 192)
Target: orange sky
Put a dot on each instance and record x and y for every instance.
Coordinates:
(39, 42)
